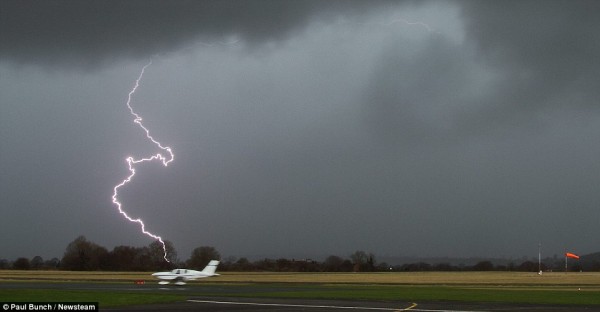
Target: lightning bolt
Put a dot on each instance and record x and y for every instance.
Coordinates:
(132, 162)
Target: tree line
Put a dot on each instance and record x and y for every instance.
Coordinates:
(84, 255)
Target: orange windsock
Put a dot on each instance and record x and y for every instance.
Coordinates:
(571, 255)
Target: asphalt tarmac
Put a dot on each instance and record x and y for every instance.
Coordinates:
(295, 305)
(217, 303)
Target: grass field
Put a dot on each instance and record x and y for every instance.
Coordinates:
(437, 293)
(510, 287)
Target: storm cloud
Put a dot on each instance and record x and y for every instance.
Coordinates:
(304, 128)
(92, 33)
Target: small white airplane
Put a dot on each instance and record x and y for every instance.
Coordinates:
(180, 276)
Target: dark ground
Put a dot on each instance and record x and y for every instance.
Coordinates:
(222, 304)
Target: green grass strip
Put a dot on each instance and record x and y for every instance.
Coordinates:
(428, 293)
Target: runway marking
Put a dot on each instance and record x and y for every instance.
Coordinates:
(409, 308)
(287, 305)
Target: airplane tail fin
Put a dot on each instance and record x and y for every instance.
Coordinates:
(211, 268)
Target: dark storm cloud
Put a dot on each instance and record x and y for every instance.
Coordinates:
(518, 60)
(418, 90)
(330, 127)
(91, 32)
(544, 52)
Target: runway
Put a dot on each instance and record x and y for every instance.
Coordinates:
(296, 305)
(286, 305)
(222, 299)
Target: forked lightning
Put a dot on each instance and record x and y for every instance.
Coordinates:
(131, 162)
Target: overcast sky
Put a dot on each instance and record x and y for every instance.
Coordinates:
(451, 128)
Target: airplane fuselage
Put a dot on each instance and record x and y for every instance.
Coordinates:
(180, 276)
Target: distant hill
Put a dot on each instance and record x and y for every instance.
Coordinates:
(590, 262)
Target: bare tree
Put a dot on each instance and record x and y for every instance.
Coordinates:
(333, 264)
(37, 262)
(243, 265)
(122, 258)
(82, 255)
(202, 255)
(21, 264)
(157, 255)
(359, 258)
(142, 260)
(52, 263)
